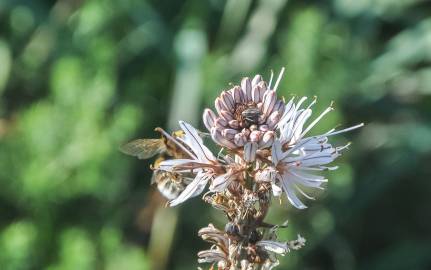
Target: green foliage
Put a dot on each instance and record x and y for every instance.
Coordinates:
(79, 78)
(18, 245)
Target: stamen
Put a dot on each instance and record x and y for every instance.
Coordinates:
(278, 79)
(295, 126)
(310, 126)
(318, 168)
(303, 193)
(298, 105)
(313, 102)
(295, 147)
(340, 148)
(270, 79)
(343, 130)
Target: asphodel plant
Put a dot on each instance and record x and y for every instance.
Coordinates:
(266, 154)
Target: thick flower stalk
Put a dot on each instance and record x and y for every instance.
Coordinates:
(266, 152)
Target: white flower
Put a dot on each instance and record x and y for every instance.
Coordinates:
(247, 113)
(295, 164)
(201, 162)
(298, 243)
(279, 248)
(246, 116)
(292, 122)
(214, 255)
(294, 156)
(221, 182)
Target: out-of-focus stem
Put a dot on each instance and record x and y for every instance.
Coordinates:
(190, 50)
(162, 234)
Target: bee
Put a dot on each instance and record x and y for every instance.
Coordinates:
(251, 115)
(169, 184)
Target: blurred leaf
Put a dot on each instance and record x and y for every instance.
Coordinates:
(17, 244)
(76, 251)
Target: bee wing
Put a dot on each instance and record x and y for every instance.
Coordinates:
(143, 148)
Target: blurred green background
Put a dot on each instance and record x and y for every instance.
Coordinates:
(79, 78)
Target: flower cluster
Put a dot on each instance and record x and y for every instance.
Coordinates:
(246, 115)
(266, 153)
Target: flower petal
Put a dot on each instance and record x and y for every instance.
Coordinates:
(319, 158)
(267, 139)
(255, 135)
(262, 89)
(219, 139)
(209, 118)
(298, 124)
(277, 152)
(290, 193)
(273, 119)
(240, 139)
(237, 94)
(250, 151)
(287, 121)
(255, 94)
(226, 115)
(194, 141)
(288, 112)
(269, 100)
(273, 246)
(193, 189)
(220, 122)
(256, 79)
(234, 124)
(211, 256)
(228, 100)
(229, 133)
(279, 107)
(246, 89)
(276, 190)
(170, 164)
(220, 182)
